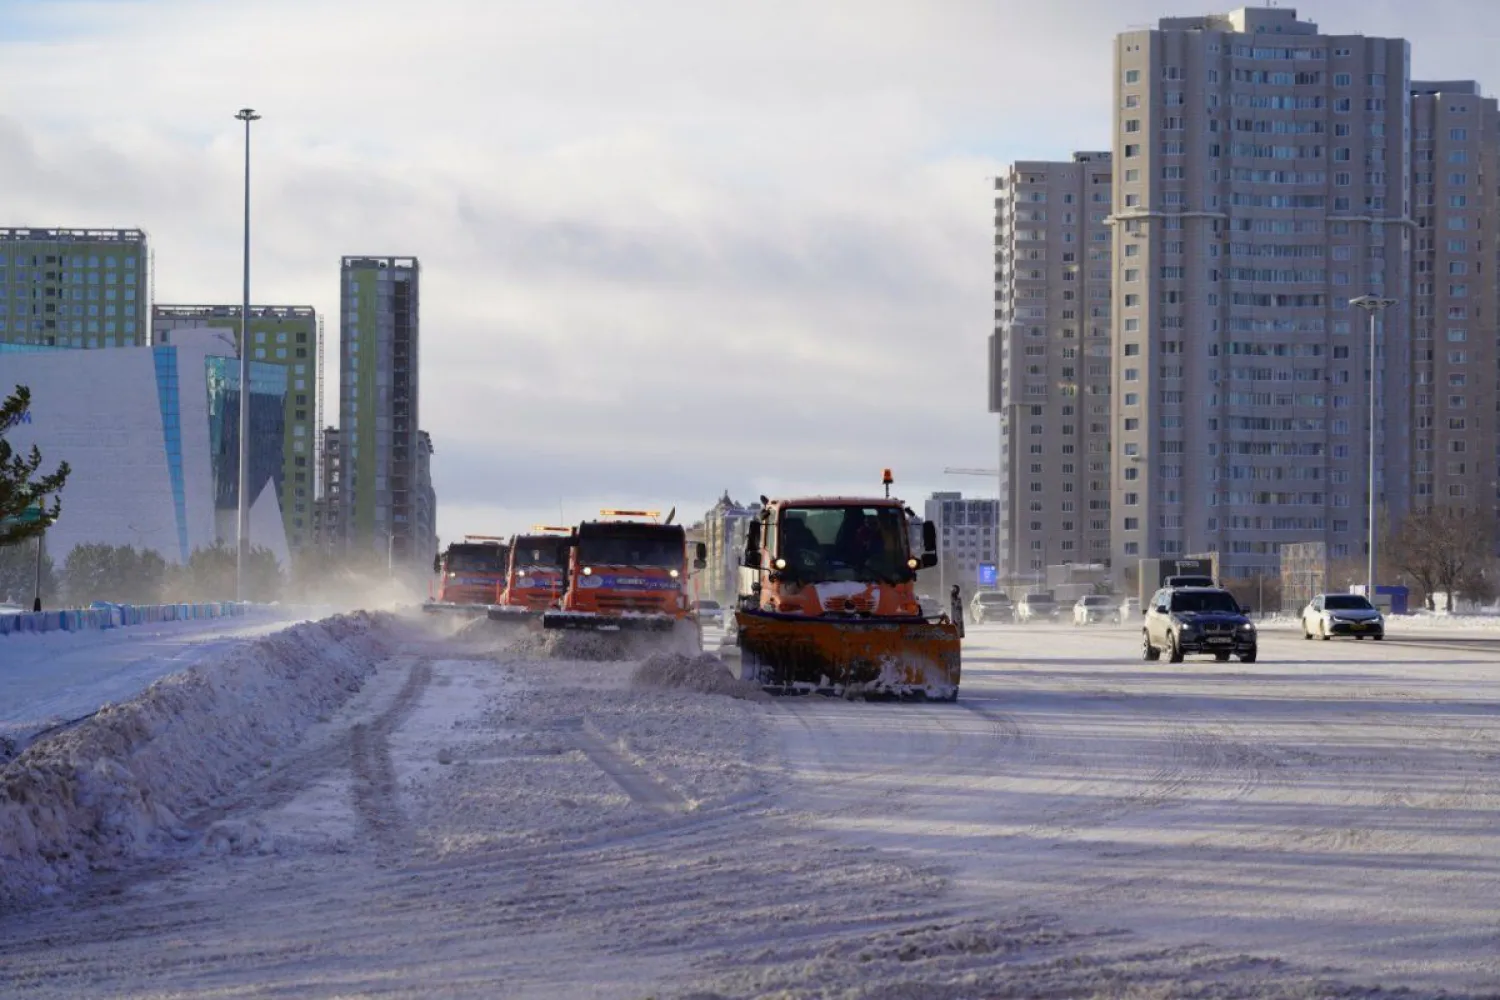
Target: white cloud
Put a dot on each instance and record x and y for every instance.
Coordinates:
(667, 248)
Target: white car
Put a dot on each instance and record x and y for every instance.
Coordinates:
(1036, 608)
(710, 612)
(1129, 608)
(11, 609)
(1328, 615)
(1092, 608)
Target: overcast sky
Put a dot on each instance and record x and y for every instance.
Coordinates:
(669, 247)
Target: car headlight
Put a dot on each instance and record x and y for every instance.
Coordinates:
(1247, 627)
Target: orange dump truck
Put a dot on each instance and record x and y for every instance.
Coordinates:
(830, 603)
(537, 573)
(627, 571)
(470, 574)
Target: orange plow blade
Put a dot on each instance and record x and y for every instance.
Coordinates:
(790, 654)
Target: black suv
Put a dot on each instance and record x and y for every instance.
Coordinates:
(1198, 621)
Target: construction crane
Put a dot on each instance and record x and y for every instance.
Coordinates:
(992, 473)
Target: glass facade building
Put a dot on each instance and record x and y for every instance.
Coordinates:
(268, 390)
(292, 338)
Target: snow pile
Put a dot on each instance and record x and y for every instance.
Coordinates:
(113, 787)
(704, 673)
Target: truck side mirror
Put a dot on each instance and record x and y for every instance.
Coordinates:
(702, 550)
(437, 564)
(929, 537)
(751, 558)
(929, 560)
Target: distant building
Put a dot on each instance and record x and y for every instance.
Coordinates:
(152, 435)
(966, 529)
(379, 412)
(424, 537)
(328, 530)
(84, 288)
(289, 336)
(720, 580)
(1050, 360)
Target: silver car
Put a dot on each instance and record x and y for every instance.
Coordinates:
(1328, 615)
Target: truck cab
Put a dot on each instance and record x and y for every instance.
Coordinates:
(627, 574)
(472, 571)
(837, 556)
(537, 572)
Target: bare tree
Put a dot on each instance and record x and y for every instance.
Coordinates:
(1443, 549)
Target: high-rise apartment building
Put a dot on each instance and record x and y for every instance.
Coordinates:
(1260, 183)
(1456, 207)
(966, 537)
(1050, 361)
(378, 406)
(328, 528)
(289, 336)
(74, 287)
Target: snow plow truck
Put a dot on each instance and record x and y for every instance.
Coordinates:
(628, 572)
(536, 574)
(829, 604)
(470, 575)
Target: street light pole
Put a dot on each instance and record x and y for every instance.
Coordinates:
(1371, 304)
(36, 604)
(242, 556)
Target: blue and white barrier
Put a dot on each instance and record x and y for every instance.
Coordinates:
(103, 616)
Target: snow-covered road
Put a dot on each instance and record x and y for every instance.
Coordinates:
(53, 676)
(491, 818)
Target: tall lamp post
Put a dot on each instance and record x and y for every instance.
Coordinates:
(1372, 305)
(242, 556)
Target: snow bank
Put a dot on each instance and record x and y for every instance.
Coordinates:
(113, 787)
(704, 673)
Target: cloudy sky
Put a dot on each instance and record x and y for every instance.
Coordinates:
(669, 247)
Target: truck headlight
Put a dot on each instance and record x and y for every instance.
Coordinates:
(674, 574)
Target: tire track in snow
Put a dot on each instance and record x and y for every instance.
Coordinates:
(374, 772)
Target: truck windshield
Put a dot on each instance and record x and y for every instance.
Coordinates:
(541, 552)
(1212, 600)
(854, 543)
(631, 546)
(476, 559)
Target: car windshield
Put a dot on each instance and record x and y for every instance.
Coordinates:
(707, 605)
(854, 543)
(1095, 602)
(992, 598)
(631, 545)
(1346, 602)
(543, 552)
(476, 559)
(1208, 600)
(1034, 599)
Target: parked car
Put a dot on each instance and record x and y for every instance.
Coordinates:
(710, 612)
(11, 609)
(1186, 621)
(931, 606)
(1328, 615)
(991, 606)
(1036, 608)
(1127, 609)
(1092, 608)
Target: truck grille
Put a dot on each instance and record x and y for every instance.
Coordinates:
(859, 604)
(644, 604)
